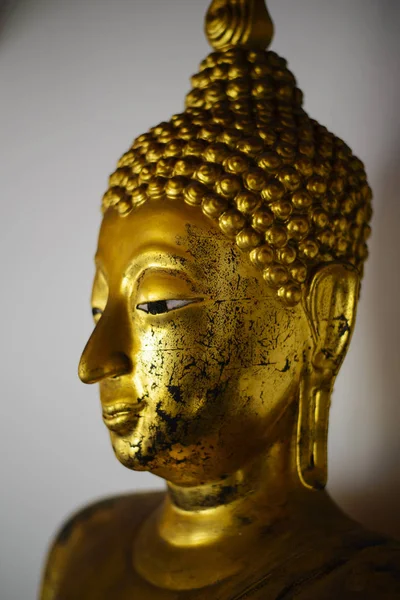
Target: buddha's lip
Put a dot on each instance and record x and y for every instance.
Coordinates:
(111, 410)
(118, 415)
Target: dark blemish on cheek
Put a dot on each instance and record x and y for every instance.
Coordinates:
(176, 393)
(172, 422)
(142, 459)
(143, 398)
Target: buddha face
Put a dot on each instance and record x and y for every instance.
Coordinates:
(196, 357)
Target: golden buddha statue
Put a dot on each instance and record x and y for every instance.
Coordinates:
(227, 278)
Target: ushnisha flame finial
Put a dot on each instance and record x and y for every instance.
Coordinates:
(244, 23)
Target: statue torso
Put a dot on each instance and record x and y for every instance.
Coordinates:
(92, 559)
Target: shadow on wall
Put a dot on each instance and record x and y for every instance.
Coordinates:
(6, 6)
(378, 506)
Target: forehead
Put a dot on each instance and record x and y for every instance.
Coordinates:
(175, 235)
(180, 238)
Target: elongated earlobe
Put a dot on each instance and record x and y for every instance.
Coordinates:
(330, 304)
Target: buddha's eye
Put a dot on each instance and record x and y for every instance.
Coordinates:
(96, 312)
(163, 306)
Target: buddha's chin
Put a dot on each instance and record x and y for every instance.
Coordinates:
(133, 449)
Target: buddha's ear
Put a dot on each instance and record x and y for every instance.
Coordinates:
(331, 304)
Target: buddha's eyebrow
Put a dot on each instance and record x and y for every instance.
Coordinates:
(182, 261)
(171, 272)
(173, 263)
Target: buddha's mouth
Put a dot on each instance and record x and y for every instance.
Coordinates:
(120, 416)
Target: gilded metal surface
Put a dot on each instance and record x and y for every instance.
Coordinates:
(227, 278)
(244, 23)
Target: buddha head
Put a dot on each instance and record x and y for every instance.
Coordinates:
(227, 272)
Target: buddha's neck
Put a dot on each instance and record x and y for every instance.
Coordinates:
(257, 493)
(203, 534)
(266, 475)
(260, 492)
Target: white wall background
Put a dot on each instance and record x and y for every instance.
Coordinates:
(78, 80)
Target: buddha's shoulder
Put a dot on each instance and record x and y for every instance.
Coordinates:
(361, 566)
(371, 571)
(106, 517)
(90, 536)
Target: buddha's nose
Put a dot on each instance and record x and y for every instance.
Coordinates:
(107, 352)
